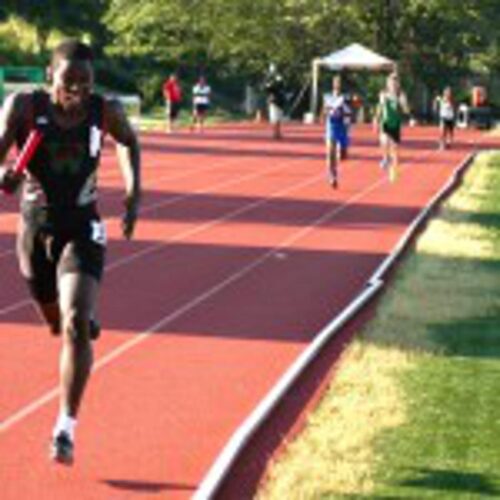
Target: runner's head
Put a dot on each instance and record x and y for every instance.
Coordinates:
(71, 74)
(337, 84)
(393, 83)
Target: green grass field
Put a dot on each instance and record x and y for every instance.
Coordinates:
(414, 411)
(155, 119)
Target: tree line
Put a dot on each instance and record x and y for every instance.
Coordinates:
(435, 42)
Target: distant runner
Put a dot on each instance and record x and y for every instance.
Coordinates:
(446, 112)
(337, 113)
(391, 109)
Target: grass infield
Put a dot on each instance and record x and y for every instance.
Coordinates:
(414, 409)
(155, 120)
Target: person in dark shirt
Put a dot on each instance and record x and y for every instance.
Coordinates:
(276, 99)
(61, 239)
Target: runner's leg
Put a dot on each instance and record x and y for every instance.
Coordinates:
(394, 155)
(331, 161)
(50, 313)
(77, 299)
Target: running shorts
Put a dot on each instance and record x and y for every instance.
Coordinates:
(448, 124)
(393, 133)
(46, 253)
(173, 109)
(337, 133)
(275, 113)
(201, 108)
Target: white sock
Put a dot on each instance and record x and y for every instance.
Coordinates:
(66, 424)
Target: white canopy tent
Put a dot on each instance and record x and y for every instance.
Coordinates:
(354, 57)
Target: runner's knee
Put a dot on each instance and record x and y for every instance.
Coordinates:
(75, 324)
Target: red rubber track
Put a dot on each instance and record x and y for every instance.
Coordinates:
(242, 254)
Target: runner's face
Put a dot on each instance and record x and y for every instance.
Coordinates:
(393, 85)
(336, 84)
(72, 83)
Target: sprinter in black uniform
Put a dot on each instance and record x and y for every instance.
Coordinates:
(61, 240)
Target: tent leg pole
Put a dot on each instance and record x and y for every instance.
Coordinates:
(314, 89)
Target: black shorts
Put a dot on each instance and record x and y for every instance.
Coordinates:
(173, 109)
(201, 109)
(46, 252)
(448, 124)
(393, 132)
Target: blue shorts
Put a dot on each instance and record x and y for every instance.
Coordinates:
(337, 133)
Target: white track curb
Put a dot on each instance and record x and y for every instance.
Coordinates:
(221, 466)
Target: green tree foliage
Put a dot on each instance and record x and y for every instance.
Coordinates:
(71, 17)
(435, 42)
(245, 34)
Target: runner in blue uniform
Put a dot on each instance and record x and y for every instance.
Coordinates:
(337, 113)
(61, 240)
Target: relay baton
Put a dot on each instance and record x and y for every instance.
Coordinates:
(27, 152)
(24, 157)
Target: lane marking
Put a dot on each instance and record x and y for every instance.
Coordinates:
(161, 204)
(221, 466)
(27, 410)
(32, 407)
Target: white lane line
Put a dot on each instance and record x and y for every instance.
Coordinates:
(152, 184)
(158, 246)
(197, 229)
(224, 461)
(32, 407)
(207, 225)
(221, 466)
(170, 201)
(6, 253)
(105, 174)
(117, 352)
(14, 307)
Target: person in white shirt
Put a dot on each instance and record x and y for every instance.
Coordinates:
(337, 114)
(446, 110)
(201, 103)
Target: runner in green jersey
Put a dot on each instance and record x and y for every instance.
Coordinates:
(391, 109)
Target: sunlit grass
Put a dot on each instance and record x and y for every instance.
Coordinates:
(336, 452)
(412, 411)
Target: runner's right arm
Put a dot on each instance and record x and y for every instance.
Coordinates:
(11, 118)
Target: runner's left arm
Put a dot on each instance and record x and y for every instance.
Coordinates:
(377, 116)
(404, 104)
(347, 111)
(128, 151)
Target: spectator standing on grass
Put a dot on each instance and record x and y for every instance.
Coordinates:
(201, 103)
(276, 99)
(446, 111)
(172, 94)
